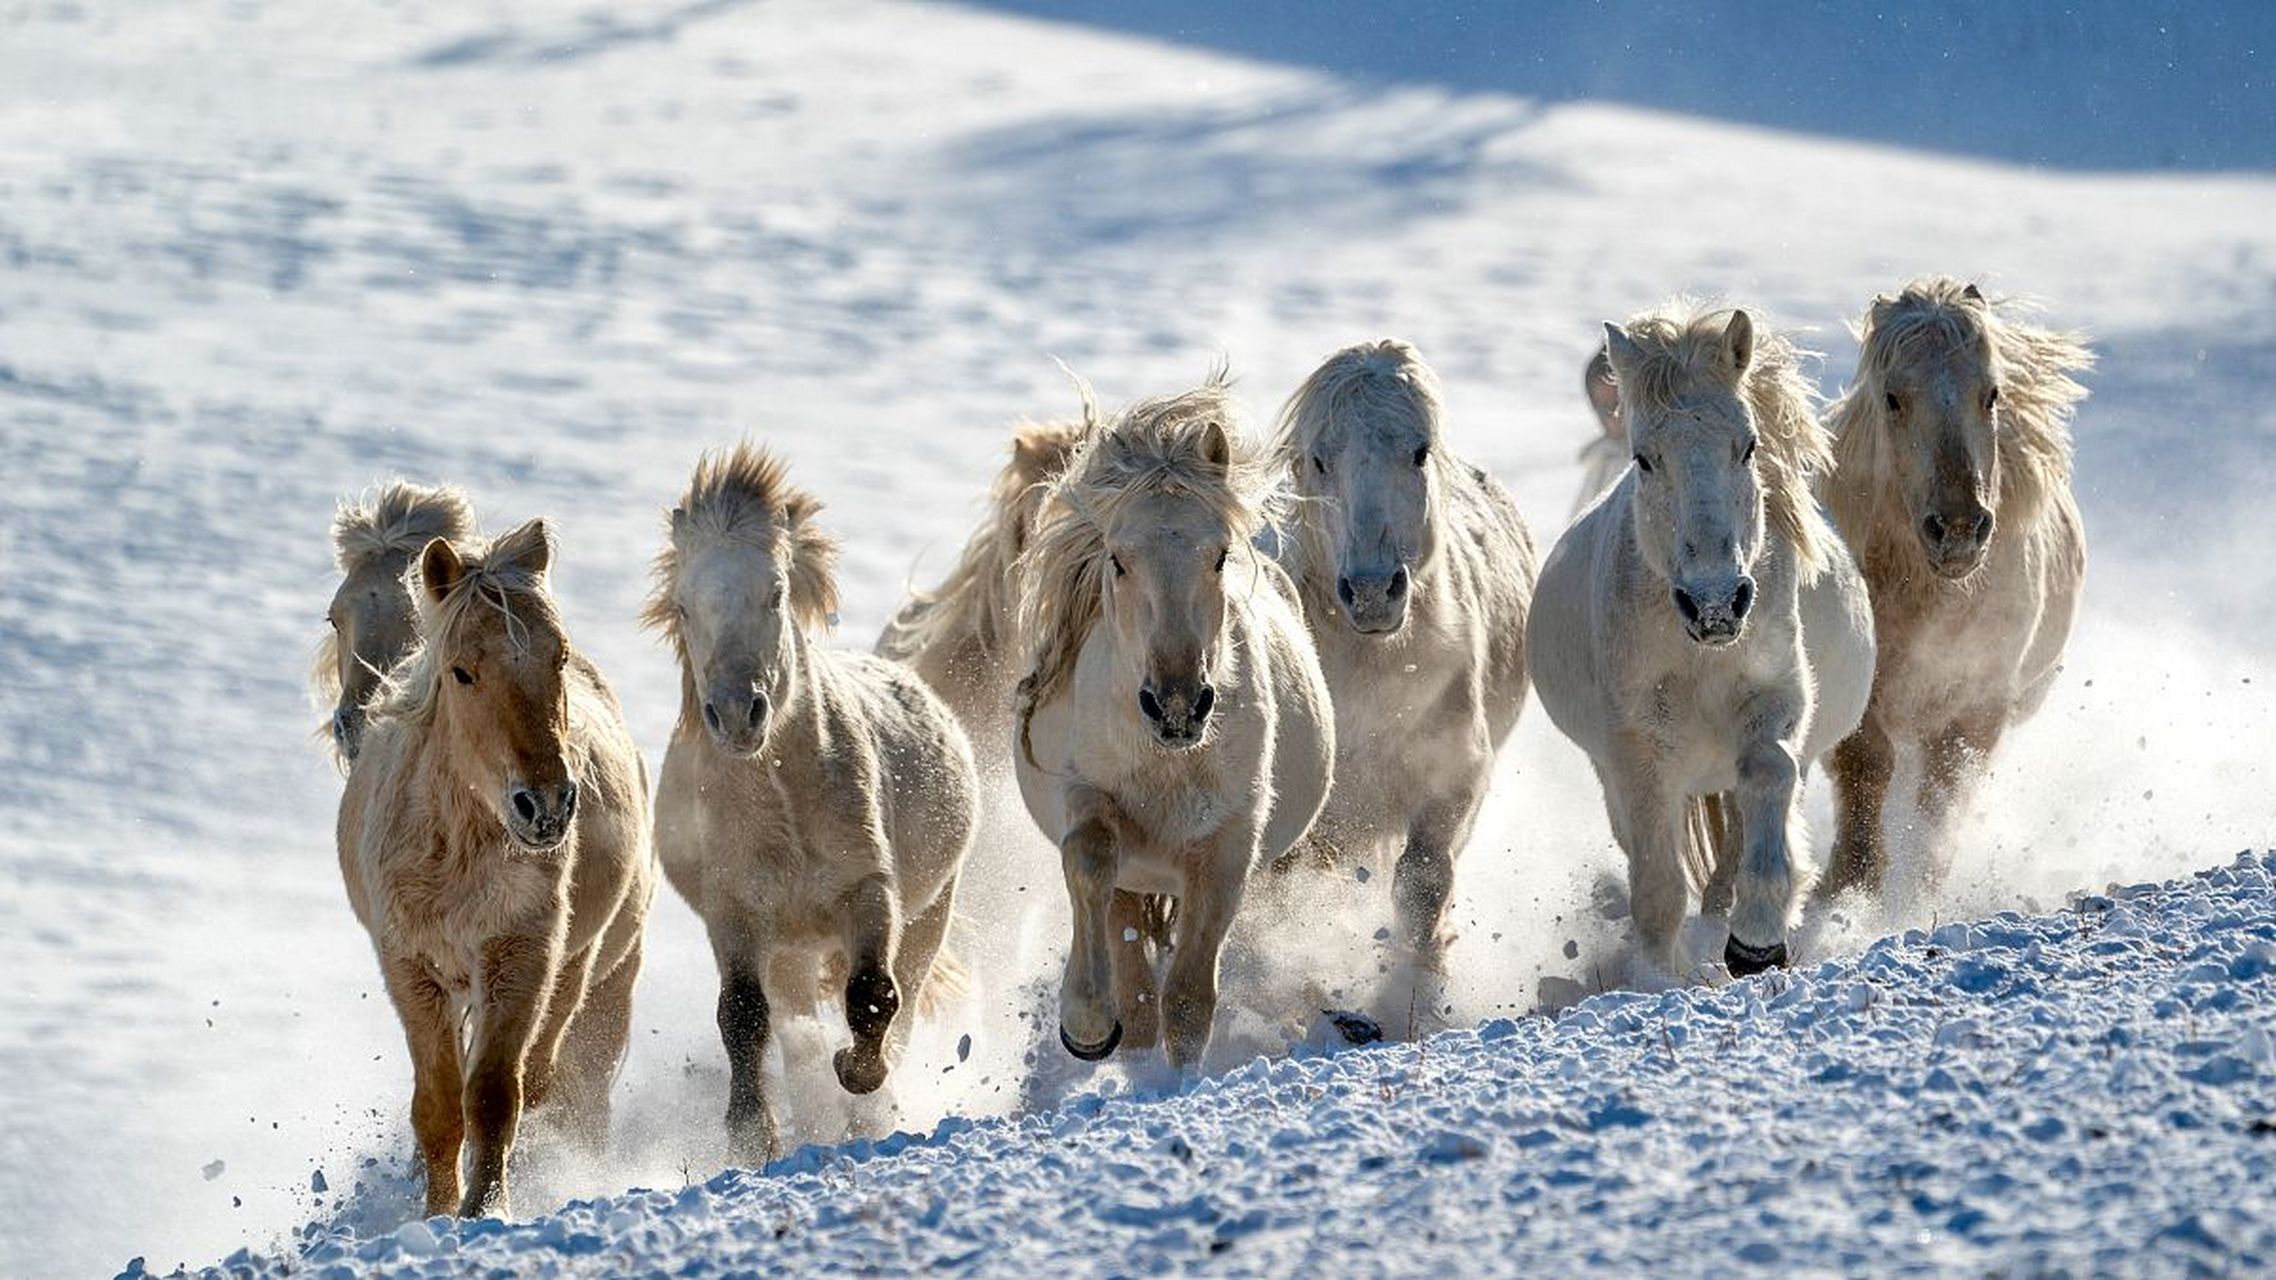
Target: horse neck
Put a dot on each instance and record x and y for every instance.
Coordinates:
(429, 773)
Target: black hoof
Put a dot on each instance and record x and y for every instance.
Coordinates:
(1355, 1028)
(859, 1073)
(1744, 961)
(1092, 1053)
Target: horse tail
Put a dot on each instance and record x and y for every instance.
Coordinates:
(1707, 839)
(949, 981)
(1157, 919)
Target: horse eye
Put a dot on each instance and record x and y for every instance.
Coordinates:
(1319, 465)
(1894, 406)
(331, 622)
(1116, 561)
(462, 675)
(1747, 454)
(1643, 464)
(1991, 397)
(1422, 455)
(1221, 558)
(774, 598)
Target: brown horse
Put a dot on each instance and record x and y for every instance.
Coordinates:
(494, 841)
(1952, 482)
(373, 622)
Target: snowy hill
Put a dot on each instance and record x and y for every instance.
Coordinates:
(2091, 1092)
(254, 257)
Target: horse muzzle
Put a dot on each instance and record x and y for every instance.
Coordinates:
(1375, 604)
(1956, 544)
(1717, 619)
(1177, 711)
(739, 724)
(539, 818)
(348, 730)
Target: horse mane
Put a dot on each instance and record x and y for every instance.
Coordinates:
(401, 520)
(2037, 397)
(1156, 446)
(494, 575)
(1682, 344)
(980, 596)
(744, 495)
(1366, 382)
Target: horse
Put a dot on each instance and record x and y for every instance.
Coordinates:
(960, 637)
(1952, 471)
(493, 836)
(1701, 632)
(816, 805)
(1416, 572)
(372, 619)
(1173, 734)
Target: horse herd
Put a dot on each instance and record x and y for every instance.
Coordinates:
(1205, 660)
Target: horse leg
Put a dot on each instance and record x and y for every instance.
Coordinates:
(1862, 764)
(1423, 879)
(1649, 824)
(873, 934)
(1137, 1000)
(1769, 881)
(595, 1049)
(744, 1025)
(1950, 762)
(438, 1117)
(568, 997)
(1189, 989)
(1091, 862)
(516, 983)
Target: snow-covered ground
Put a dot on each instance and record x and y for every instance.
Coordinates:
(2089, 1092)
(254, 256)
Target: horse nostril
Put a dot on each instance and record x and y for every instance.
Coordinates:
(1345, 593)
(1686, 606)
(1399, 582)
(525, 804)
(711, 717)
(1149, 705)
(1203, 701)
(568, 800)
(1742, 600)
(758, 709)
(1983, 527)
(1933, 526)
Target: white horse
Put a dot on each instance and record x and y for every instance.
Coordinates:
(1952, 480)
(1173, 730)
(1701, 633)
(1416, 572)
(816, 804)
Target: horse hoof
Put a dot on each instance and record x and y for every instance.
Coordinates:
(1744, 961)
(859, 1074)
(1095, 1052)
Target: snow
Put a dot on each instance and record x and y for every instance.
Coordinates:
(1983, 1098)
(255, 256)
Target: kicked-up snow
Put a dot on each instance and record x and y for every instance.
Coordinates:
(257, 256)
(2087, 1092)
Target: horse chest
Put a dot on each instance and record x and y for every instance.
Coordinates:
(442, 906)
(1954, 652)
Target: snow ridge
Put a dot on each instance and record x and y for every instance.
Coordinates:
(2092, 1090)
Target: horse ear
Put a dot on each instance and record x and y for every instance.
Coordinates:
(679, 521)
(440, 568)
(1216, 446)
(1620, 349)
(1738, 344)
(528, 548)
(1604, 395)
(1972, 293)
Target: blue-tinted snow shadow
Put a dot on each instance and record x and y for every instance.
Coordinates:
(2088, 85)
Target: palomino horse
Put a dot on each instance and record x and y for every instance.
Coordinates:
(1700, 631)
(494, 840)
(373, 622)
(816, 805)
(1416, 572)
(962, 635)
(1173, 732)
(1952, 480)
